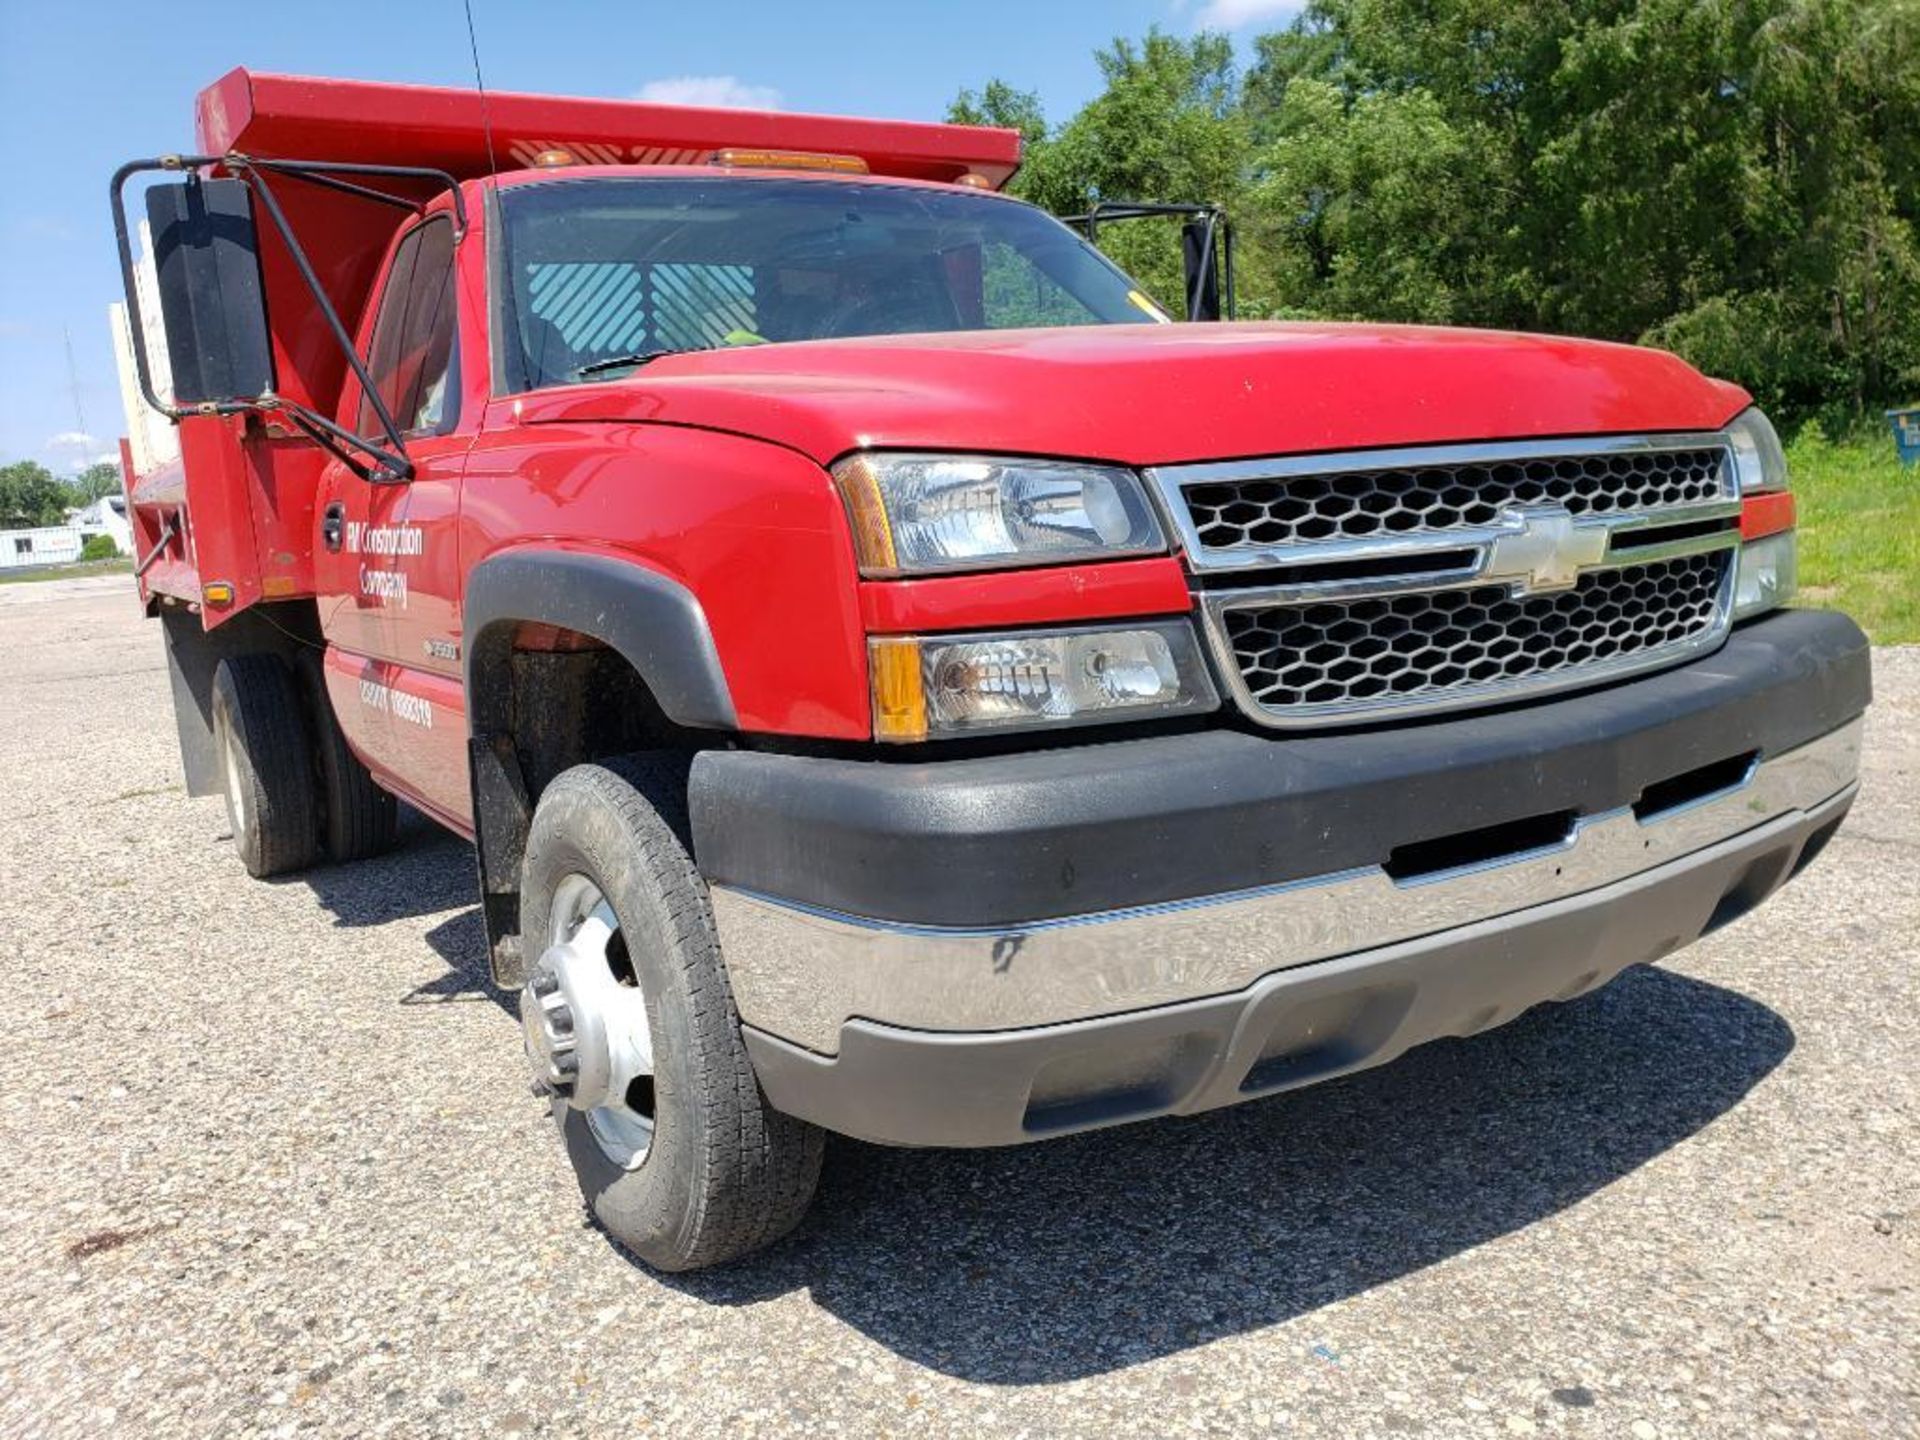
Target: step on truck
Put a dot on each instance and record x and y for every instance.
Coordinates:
(896, 678)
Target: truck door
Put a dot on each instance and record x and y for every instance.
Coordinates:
(389, 558)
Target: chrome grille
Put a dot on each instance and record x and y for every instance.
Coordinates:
(1417, 646)
(1353, 503)
(1338, 588)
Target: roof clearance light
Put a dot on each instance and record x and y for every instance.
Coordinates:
(553, 159)
(789, 160)
(974, 180)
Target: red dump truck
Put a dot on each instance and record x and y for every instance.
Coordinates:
(896, 680)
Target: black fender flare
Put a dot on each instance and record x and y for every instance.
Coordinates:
(655, 623)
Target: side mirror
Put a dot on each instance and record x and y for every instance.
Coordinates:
(1206, 247)
(212, 303)
(1201, 251)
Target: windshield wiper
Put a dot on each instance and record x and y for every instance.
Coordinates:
(620, 362)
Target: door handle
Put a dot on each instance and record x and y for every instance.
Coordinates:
(333, 525)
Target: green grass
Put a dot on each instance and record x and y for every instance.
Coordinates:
(1859, 531)
(122, 566)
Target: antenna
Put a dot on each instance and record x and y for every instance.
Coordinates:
(486, 115)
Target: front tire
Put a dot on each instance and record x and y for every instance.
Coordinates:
(630, 1019)
(266, 769)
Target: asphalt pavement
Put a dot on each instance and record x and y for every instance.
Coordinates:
(269, 1166)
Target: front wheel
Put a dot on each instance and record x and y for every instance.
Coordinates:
(631, 1028)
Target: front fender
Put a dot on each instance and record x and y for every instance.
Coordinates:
(752, 532)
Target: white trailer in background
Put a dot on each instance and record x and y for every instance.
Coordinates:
(41, 545)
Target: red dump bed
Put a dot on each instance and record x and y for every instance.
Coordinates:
(296, 117)
(241, 499)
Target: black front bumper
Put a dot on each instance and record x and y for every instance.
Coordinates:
(988, 951)
(1011, 839)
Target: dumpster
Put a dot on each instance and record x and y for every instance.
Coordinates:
(1906, 434)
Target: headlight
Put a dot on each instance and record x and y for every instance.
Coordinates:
(914, 514)
(1758, 457)
(935, 687)
(1768, 561)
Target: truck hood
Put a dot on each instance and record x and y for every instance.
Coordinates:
(1158, 394)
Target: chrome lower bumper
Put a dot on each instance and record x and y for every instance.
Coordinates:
(800, 973)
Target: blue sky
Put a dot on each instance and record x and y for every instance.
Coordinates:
(90, 83)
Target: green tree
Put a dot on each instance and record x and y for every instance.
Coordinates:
(1378, 209)
(1815, 299)
(94, 482)
(29, 495)
(1738, 180)
(1166, 127)
(999, 104)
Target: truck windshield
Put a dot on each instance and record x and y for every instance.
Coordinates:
(603, 274)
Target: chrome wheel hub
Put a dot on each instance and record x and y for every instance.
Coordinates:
(584, 1017)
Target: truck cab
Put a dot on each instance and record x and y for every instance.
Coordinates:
(900, 681)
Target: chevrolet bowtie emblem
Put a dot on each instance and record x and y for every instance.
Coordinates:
(1545, 549)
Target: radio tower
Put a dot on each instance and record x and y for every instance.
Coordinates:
(73, 383)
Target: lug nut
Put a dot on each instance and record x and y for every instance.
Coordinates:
(544, 983)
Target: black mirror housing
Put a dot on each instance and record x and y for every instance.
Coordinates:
(212, 300)
(1200, 252)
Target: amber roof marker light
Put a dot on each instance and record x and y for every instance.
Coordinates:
(736, 158)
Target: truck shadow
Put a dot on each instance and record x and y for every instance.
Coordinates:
(1083, 1255)
(427, 871)
(1068, 1259)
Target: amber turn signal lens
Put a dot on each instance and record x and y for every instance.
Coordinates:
(899, 697)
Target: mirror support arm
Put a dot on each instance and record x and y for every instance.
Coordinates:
(387, 468)
(326, 174)
(1217, 239)
(389, 464)
(397, 462)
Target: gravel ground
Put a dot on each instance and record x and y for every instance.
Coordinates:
(268, 1165)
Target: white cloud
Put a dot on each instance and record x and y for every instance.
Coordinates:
(75, 449)
(1235, 14)
(728, 92)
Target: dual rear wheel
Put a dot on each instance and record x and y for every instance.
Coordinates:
(294, 791)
